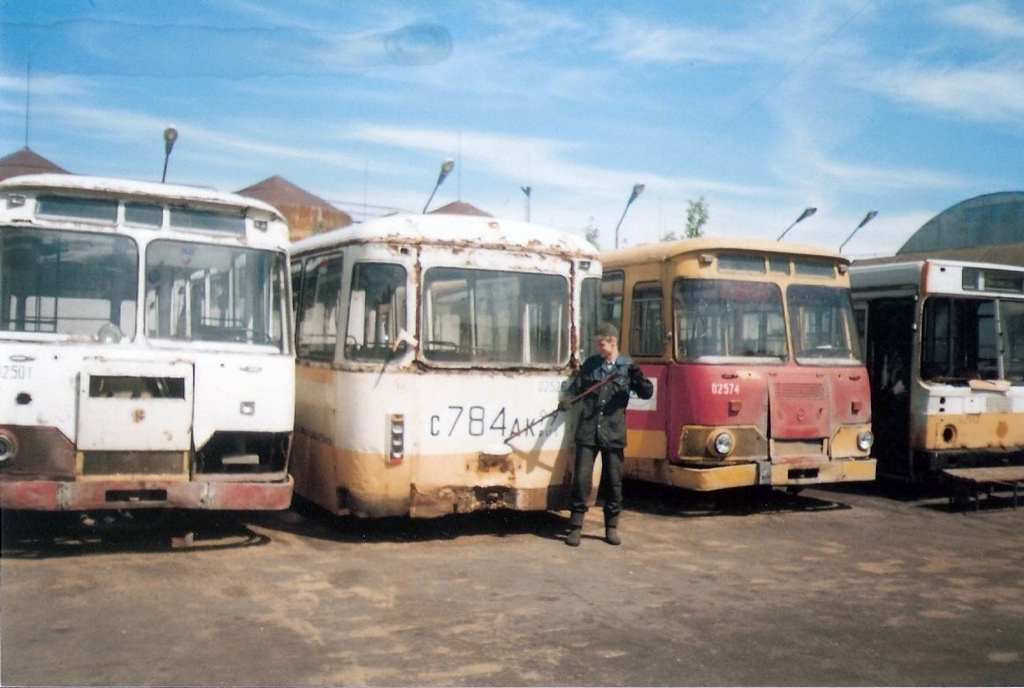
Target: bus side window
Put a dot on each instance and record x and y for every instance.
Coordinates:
(647, 332)
(590, 314)
(612, 287)
(935, 338)
(1011, 315)
(296, 290)
(317, 333)
(376, 311)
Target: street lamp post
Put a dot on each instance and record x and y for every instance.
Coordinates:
(803, 216)
(637, 190)
(170, 136)
(867, 218)
(446, 169)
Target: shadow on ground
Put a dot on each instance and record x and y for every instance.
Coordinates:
(663, 500)
(898, 490)
(36, 535)
(934, 495)
(308, 520)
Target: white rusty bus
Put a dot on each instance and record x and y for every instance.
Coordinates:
(145, 347)
(424, 344)
(944, 344)
(753, 352)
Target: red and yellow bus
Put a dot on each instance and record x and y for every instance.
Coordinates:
(754, 354)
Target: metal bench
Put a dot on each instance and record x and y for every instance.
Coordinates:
(968, 484)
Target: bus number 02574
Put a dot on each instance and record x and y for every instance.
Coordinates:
(725, 388)
(476, 421)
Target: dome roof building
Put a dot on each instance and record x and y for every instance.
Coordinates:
(987, 228)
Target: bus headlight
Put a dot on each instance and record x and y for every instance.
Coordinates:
(110, 334)
(8, 446)
(864, 440)
(721, 444)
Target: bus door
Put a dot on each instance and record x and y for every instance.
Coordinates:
(889, 354)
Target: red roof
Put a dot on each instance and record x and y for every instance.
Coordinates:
(277, 190)
(27, 161)
(459, 208)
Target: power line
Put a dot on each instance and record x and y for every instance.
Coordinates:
(785, 77)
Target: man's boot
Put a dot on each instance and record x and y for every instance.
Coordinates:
(575, 529)
(611, 530)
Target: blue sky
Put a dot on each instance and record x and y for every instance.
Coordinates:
(762, 108)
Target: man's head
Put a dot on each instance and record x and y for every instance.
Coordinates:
(606, 341)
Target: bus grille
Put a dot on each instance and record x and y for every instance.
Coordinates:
(133, 463)
(800, 390)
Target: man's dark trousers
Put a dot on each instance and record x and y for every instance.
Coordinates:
(610, 488)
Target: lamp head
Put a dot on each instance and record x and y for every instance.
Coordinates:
(446, 168)
(868, 218)
(806, 214)
(170, 136)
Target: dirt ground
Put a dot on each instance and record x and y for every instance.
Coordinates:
(846, 586)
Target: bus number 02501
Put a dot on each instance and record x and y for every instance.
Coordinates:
(476, 421)
(15, 372)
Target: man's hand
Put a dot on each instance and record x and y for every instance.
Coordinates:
(639, 383)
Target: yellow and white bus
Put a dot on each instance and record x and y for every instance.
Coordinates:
(145, 347)
(944, 344)
(428, 347)
(754, 355)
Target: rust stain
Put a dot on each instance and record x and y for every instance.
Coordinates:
(139, 415)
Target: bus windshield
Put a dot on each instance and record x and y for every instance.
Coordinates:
(960, 339)
(821, 319)
(728, 319)
(488, 316)
(201, 292)
(68, 283)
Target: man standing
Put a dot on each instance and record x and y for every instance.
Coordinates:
(604, 381)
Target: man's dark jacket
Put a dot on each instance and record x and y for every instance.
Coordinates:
(602, 417)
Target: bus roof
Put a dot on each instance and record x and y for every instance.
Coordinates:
(130, 188)
(665, 250)
(453, 230)
(906, 270)
(898, 263)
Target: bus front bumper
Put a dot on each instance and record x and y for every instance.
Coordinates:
(95, 495)
(722, 477)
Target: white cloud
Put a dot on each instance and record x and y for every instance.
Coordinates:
(636, 41)
(40, 85)
(992, 19)
(984, 93)
(547, 161)
(866, 178)
(128, 127)
(787, 35)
